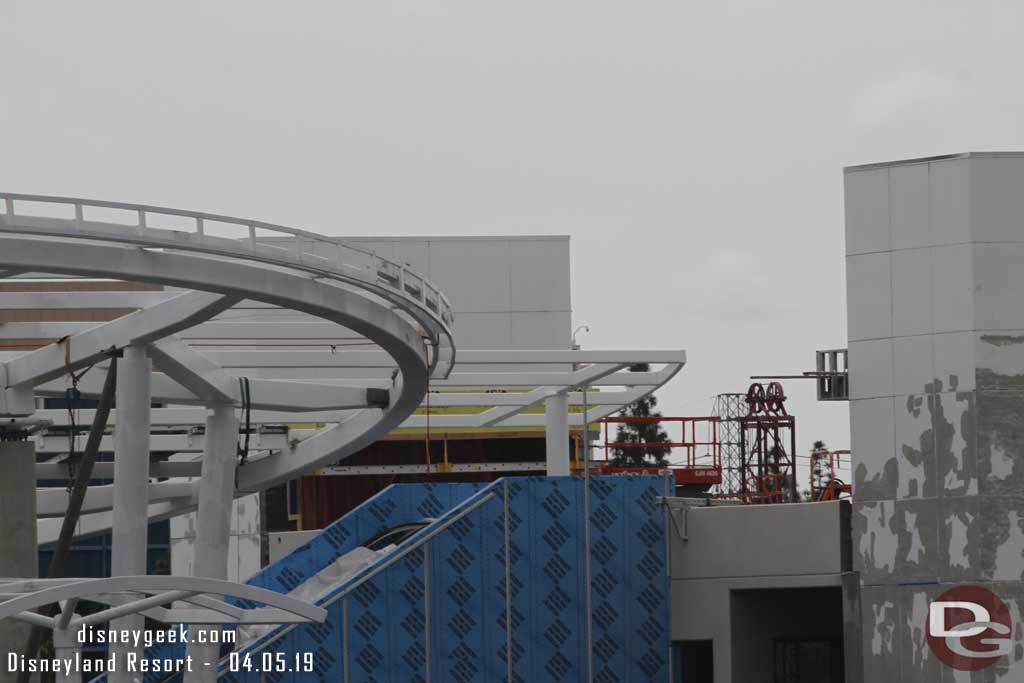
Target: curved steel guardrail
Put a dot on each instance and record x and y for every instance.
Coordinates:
(353, 265)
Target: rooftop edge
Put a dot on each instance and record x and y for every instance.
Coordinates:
(926, 160)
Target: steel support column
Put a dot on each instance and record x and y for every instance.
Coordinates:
(131, 487)
(18, 555)
(213, 524)
(556, 433)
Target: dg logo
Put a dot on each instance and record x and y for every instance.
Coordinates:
(969, 628)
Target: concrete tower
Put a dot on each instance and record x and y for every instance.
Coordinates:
(935, 293)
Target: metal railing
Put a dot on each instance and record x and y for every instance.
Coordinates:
(257, 241)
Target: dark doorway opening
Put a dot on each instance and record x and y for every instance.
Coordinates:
(693, 661)
(808, 661)
(787, 635)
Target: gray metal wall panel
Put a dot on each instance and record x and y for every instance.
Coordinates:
(945, 504)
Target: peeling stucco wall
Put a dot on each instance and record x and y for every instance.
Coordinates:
(935, 294)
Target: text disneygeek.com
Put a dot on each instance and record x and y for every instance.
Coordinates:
(70, 658)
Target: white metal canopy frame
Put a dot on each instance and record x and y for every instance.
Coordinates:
(290, 311)
(147, 595)
(197, 601)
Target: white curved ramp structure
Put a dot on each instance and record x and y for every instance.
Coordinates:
(322, 332)
(397, 310)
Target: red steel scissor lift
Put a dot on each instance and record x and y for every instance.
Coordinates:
(699, 465)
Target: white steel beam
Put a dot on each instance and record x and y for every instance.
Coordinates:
(52, 444)
(79, 300)
(97, 589)
(355, 357)
(528, 398)
(105, 470)
(165, 389)
(42, 330)
(172, 417)
(266, 394)
(580, 378)
(433, 468)
(140, 327)
(195, 372)
(53, 502)
(457, 381)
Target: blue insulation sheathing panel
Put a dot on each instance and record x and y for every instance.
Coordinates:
(397, 504)
(439, 612)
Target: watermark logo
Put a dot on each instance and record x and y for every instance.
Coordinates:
(969, 628)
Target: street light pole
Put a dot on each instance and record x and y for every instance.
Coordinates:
(586, 521)
(586, 422)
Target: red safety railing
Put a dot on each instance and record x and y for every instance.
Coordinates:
(695, 458)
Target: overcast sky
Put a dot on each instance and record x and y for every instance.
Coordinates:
(693, 151)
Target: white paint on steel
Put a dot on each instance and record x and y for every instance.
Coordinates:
(213, 530)
(39, 592)
(131, 472)
(556, 435)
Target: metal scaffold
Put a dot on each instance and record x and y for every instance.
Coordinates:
(730, 409)
(768, 447)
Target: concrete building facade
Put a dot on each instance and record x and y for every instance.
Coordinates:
(507, 291)
(763, 593)
(935, 293)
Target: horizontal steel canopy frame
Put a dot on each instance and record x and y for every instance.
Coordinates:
(105, 470)
(265, 394)
(34, 593)
(185, 417)
(343, 357)
(55, 444)
(506, 410)
(433, 468)
(53, 502)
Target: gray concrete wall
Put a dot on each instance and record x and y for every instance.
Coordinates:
(762, 540)
(936, 338)
(716, 552)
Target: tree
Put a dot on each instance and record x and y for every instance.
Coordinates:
(640, 432)
(821, 474)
